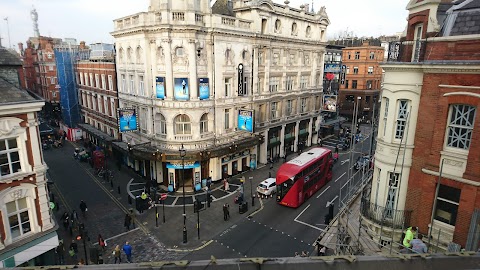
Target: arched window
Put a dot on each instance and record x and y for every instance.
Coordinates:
(120, 54)
(204, 124)
(139, 55)
(160, 124)
(294, 29)
(129, 54)
(308, 31)
(182, 124)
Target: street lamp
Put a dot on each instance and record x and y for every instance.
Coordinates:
(183, 153)
(251, 191)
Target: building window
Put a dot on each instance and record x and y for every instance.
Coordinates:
(273, 85)
(289, 110)
(357, 55)
(227, 119)
(392, 193)
(306, 59)
(460, 126)
(278, 25)
(289, 82)
(18, 217)
(294, 29)
(86, 79)
(401, 119)
(273, 110)
(303, 105)
(304, 82)
(447, 204)
(369, 84)
(355, 70)
(143, 121)
(81, 78)
(354, 84)
(372, 55)
(292, 59)
(308, 31)
(132, 85)
(204, 124)
(54, 94)
(228, 87)
(91, 80)
(261, 60)
(9, 157)
(97, 81)
(370, 70)
(260, 84)
(182, 124)
(385, 115)
(105, 106)
(346, 84)
(104, 83)
(50, 68)
(124, 84)
(179, 51)
(347, 70)
(349, 55)
(110, 82)
(141, 86)
(160, 124)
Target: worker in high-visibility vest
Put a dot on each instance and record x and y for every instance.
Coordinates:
(409, 234)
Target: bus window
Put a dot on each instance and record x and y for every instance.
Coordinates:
(283, 188)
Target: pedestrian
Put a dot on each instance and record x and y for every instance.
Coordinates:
(225, 212)
(60, 251)
(101, 242)
(409, 233)
(304, 254)
(74, 246)
(418, 246)
(65, 220)
(296, 254)
(320, 142)
(117, 254)
(72, 254)
(128, 251)
(127, 222)
(271, 163)
(226, 185)
(336, 149)
(83, 207)
(74, 218)
(228, 211)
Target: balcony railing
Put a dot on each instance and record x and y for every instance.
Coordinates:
(385, 216)
(406, 51)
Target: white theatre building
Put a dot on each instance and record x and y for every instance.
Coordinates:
(189, 69)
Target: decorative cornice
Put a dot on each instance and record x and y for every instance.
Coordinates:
(461, 93)
(451, 177)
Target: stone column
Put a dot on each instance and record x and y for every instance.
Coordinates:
(282, 139)
(192, 69)
(255, 90)
(167, 43)
(295, 143)
(310, 132)
(210, 66)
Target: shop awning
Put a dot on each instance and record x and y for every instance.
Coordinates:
(95, 132)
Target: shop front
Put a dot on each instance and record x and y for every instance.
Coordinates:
(190, 169)
(235, 163)
(274, 142)
(303, 134)
(289, 139)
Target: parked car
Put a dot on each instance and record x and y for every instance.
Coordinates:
(363, 162)
(267, 187)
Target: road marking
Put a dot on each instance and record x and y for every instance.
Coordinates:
(340, 177)
(118, 235)
(304, 223)
(344, 161)
(323, 191)
(330, 202)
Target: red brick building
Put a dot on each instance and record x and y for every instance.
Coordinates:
(427, 161)
(98, 97)
(362, 79)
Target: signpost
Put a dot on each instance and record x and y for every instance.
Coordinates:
(163, 197)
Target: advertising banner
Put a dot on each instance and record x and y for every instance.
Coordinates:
(181, 89)
(203, 88)
(333, 68)
(160, 84)
(127, 119)
(330, 103)
(245, 120)
(241, 90)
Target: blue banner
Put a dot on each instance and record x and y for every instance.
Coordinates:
(332, 68)
(160, 81)
(127, 119)
(181, 89)
(245, 120)
(179, 165)
(203, 88)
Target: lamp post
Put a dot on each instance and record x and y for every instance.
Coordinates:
(183, 153)
(251, 191)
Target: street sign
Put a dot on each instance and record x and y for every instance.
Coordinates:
(163, 197)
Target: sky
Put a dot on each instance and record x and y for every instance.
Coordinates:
(92, 20)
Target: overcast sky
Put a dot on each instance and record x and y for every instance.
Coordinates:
(91, 20)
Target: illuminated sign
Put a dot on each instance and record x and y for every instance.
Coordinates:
(242, 91)
(203, 88)
(181, 88)
(160, 89)
(333, 68)
(245, 120)
(329, 103)
(127, 119)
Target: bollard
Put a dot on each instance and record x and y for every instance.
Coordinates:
(118, 188)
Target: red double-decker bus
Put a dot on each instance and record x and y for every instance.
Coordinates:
(298, 179)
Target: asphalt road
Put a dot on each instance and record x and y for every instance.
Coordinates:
(278, 231)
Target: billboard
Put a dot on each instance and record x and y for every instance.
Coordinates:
(160, 87)
(245, 120)
(127, 119)
(333, 68)
(241, 89)
(329, 103)
(180, 88)
(203, 88)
